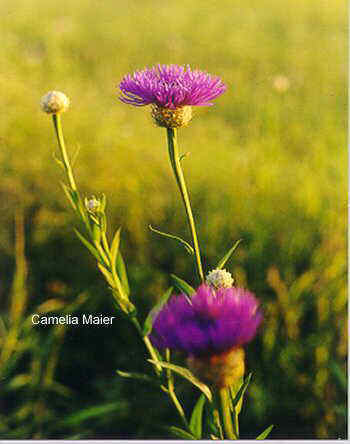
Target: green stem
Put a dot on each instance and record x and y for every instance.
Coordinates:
(176, 166)
(226, 413)
(62, 146)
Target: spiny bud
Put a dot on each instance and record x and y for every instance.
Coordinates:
(219, 279)
(171, 118)
(54, 102)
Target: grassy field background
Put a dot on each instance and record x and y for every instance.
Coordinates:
(267, 164)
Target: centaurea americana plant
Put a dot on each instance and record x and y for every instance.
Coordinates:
(210, 324)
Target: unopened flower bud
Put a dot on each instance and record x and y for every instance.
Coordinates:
(54, 102)
(219, 279)
(92, 204)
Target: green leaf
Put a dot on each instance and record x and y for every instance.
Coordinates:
(182, 285)
(61, 389)
(103, 202)
(185, 244)
(107, 275)
(75, 155)
(147, 326)
(213, 420)
(185, 373)
(139, 376)
(227, 256)
(88, 245)
(180, 433)
(115, 247)
(339, 375)
(196, 417)
(19, 381)
(57, 160)
(68, 193)
(93, 412)
(265, 433)
(121, 270)
(238, 397)
(184, 155)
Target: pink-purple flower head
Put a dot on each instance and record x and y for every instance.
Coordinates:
(211, 323)
(170, 88)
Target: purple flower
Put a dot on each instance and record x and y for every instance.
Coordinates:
(171, 87)
(210, 323)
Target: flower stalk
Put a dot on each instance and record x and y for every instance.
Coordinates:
(179, 176)
(62, 146)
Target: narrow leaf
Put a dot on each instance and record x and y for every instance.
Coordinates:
(147, 327)
(107, 275)
(339, 375)
(185, 373)
(115, 247)
(139, 376)
(180, 433)
(265, 433)
(103, 202)
(19, 381)
(93, 412)
(76, 197)
(75, 155)
(183, 156)
(196, 417)
(185, 244)
(57, 160)
(68, 193)
(182, 285)
(213, 420)
(241, 391)
(88, 245)
(121, 270)
(227, 256)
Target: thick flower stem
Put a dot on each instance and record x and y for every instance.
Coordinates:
(226, 413)
(62, 146)
(176, 166)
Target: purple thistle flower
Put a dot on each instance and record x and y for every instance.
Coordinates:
(171, 87)
(211, 323)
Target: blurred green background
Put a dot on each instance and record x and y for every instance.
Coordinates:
(267, 164)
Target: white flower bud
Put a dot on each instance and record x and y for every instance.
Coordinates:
(54, 102)
(219, 279)
(92, 204)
